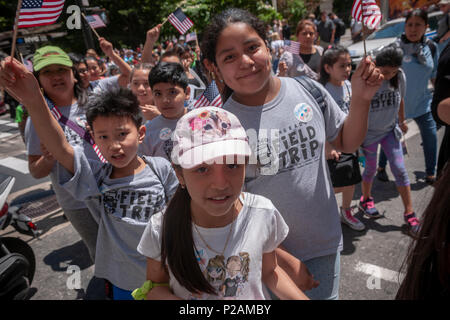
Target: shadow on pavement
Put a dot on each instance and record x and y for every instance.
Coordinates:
(76, 254)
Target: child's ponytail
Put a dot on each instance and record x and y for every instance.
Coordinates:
(177, 246)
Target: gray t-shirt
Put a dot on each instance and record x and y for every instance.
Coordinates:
(325, 30)
(384, 107)
(122, 208)
(76, 115)
(108, 83)
(158, 134)
(342, 95)
(288, 134)
(258, 229)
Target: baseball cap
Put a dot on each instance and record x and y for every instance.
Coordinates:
(206, 135)
(48, 55)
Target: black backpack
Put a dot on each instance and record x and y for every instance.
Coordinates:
(340, 27)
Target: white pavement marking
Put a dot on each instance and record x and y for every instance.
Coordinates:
(15, 164)
(4, 135)
(379, 272)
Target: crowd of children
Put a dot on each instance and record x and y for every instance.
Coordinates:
(155, 187)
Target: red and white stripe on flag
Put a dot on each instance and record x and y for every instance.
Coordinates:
(292, 46)
(180, 21)
(35, 13)
(368, 12)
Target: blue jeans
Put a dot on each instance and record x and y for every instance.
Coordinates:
(427, 127)
(327, 271)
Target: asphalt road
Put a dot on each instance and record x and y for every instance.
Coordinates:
(370, 261)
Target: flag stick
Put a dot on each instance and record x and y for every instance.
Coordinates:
(16, 27)
(93, 30)
(363, 29)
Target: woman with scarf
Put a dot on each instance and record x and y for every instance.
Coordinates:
(307, 62)
(420, 60)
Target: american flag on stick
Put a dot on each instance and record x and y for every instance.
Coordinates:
(180, 21)
(35, 13)
(95, 21)
(368, 12)
(292, 46)
(210, 97)
(191, 37)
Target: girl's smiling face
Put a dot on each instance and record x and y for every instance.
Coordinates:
(214, 190)
(57, 80)
(243, 60)
(140, 87)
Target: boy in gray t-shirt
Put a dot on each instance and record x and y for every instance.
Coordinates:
(122, 193)
(170, 90)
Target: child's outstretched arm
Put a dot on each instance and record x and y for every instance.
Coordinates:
(23, 86)
(125, 69)
(152, 36)
(366, 81)
(278, 281)
(157, 274)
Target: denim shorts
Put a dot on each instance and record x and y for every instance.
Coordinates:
(326, 270)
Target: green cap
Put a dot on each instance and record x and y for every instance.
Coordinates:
(48, 55)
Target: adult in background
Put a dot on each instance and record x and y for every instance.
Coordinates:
(420, 59)
(443, 29)
(286, 30)
(440, 106)
(340, 27)
(308, 61)
(326, 30)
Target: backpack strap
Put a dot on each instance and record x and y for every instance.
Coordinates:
(432, 47)
(312, 88)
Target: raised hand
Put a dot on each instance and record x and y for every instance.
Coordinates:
(18, 81)
(153, 33)
(366, 80)
(106, 46)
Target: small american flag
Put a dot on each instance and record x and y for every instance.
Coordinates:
(292, 46)
(368, 12)
(35, 13)
(179, 20)
(191, 37)
(210, 97)
(95, 21)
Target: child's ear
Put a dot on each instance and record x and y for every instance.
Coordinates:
(179, 173)
(187, 93)
(141, 133)
(327, 68)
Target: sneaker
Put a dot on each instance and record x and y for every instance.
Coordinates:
(350, 220)
(412, 222)
(368, 207)
(382, 175)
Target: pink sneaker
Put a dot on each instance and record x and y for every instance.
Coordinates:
(348, 218)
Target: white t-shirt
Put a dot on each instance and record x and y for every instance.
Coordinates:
(258, 229)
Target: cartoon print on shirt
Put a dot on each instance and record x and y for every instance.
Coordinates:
(215, 272)
(237, 274)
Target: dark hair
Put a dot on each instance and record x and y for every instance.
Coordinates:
(177, 247)
(170, 53)
(427, 275)
(330, 57)
(119, 102)
(218, 24)
(87, 58)
(390, 56)
(168, 72)
(421, 13)
(140, 66)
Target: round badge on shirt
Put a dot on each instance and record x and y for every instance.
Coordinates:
(165, 134)
(407, 58)
(303, 112)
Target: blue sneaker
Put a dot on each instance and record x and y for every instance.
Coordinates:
(368, 207)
